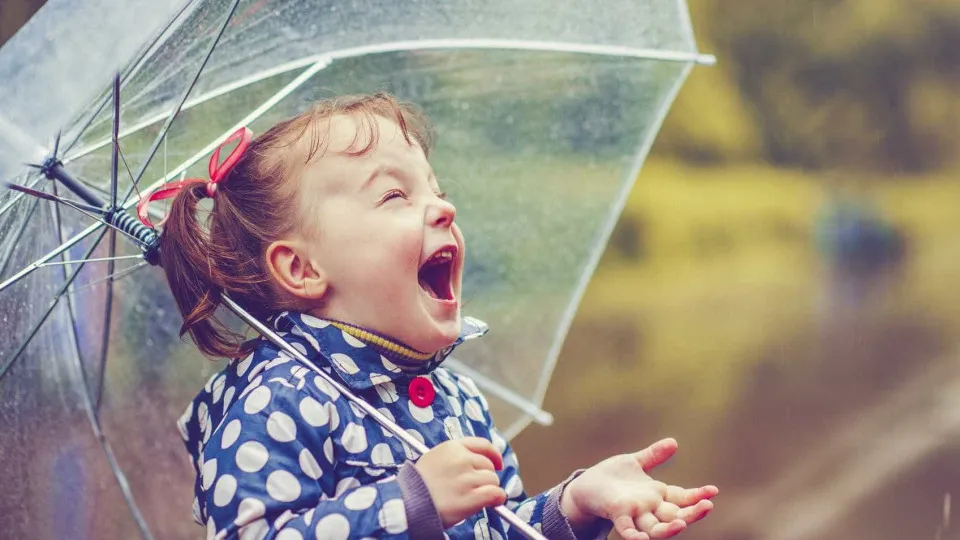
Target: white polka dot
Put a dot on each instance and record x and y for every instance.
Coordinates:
(481, 530)
(326, 387)
(421, 414)
(525, 512)
(309, 465)
(224, 490)
(211, 528)
(285, 518)
(328, 450)
(344, 363)
(381, 455)
(352, 341)
(468, 387)
(387, 392)
(313, 412)
(333, 527)
(410, 452)
(203, 416)
(388, 365)
(360, 499)
(218, 388)
(455, 406)
(243, 365)
(310, 320)
(373, 471)
(448, 385)
(255, 531)
(228, 397)
(209, 385)
(283, 486)
(257, 400)
(514, 487)
(379, 378)
(299, 347)
(498, 441)
(308, 517)
(289, 534)
(473, 410)
(230, 434)
(354, 438)
(279, 361)
(281, 427)
(392, 517)
(208, 473)
(252, 456)
(299, 371)
(452, 427)
(357, 411)
(250, 509)
(346, 485)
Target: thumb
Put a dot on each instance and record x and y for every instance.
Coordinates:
(656, 454)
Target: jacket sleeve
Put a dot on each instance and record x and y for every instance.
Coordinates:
(542, 511)
(268, 472)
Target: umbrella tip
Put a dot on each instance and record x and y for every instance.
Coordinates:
(706, 60)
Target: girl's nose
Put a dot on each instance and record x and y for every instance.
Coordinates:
(441, 213)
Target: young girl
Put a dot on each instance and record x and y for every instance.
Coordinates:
(332, 227)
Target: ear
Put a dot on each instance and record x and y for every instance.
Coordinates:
(294, 272)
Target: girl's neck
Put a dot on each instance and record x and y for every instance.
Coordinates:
(406, 358)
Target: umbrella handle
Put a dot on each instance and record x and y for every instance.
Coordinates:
(392, 427)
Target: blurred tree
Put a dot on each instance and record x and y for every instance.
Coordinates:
(849, 84)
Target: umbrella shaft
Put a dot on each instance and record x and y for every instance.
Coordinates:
(391, 426)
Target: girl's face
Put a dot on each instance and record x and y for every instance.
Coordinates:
(383, 237)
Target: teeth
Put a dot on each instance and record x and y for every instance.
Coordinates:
(441, 256)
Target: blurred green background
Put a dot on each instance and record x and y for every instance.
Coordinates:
(779, 293)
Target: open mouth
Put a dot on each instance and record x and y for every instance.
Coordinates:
(436, 274)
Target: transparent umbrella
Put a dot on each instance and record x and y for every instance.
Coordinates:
(545, 111)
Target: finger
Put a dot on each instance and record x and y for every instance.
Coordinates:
(656, 454)
(695, 513)
(667, 512)
(646, 522)
(627, 529)
(487, 496)
(481, 463)
(664, 530)
(484, 478)
(686, 497)
(483, 447)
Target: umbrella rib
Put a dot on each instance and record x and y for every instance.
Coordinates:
(56, 251)
(88, 405)
(36, 328)
(134, 67)
(176, 110)
(246, 120)
(98, 259)
(116, 276)
(494, 388)
(401, 46)
(8, 255)
(19, 195)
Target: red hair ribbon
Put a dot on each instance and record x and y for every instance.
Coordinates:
(218, 171)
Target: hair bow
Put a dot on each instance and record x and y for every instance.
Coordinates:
(218, 171)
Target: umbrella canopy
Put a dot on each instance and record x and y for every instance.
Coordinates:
(545, 112)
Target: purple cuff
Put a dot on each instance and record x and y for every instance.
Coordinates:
(423, 520)
(556, 526)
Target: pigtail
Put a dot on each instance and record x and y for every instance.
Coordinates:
(187, 256)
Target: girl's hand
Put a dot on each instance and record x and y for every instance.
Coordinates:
(461, 479)
(640, 507)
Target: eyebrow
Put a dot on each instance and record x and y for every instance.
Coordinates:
(394, 172)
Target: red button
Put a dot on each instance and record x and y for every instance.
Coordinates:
(421, 392)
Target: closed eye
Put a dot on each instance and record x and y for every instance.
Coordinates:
(390, 195)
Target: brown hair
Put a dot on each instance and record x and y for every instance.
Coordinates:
(252, 208)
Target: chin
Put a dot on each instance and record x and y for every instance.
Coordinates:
(439, 336)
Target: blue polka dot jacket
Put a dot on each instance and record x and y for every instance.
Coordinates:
(279, 453)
